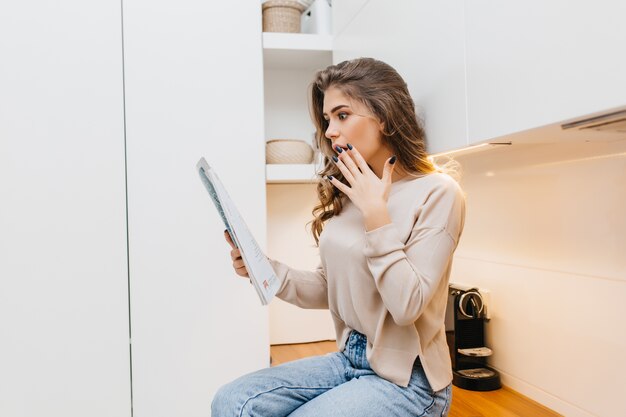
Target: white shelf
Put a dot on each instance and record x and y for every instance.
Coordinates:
(296, 51)
(290, 174)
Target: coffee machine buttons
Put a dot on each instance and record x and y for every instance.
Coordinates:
(477, 373)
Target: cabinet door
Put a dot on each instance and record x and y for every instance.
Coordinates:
(290, 241)
(533, 63)
(64, 347)
(343, 12)
(424, 42)
(194, 82)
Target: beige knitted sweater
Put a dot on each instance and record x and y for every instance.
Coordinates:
(391, 283)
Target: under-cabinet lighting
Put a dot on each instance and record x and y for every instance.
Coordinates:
(467, 150)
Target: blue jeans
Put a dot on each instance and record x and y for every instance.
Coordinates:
(339, 384)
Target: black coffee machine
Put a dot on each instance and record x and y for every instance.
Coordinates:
(465, 333)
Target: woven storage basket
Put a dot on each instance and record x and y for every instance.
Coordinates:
(288, 151)
(282, 16)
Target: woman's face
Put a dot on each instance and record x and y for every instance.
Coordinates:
(350, 121)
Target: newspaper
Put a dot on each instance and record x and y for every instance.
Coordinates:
(260, 271)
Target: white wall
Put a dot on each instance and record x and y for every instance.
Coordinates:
(193, 88)
(546, 233)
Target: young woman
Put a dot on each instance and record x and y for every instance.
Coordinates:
(387, 225)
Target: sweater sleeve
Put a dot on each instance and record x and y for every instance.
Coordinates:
(408, 274)
(305, 289)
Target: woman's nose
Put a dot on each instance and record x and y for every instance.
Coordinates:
(331, 132)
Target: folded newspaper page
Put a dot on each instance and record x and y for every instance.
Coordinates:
(262, 275)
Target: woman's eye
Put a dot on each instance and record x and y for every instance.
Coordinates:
(342, 116)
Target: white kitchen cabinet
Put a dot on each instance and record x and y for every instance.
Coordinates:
(291, 173)
(289, 240)
(283, 51)
(64, 334)
(194, 88)
(424, 42)
(533, 63)
(290, 63)
(343, 12)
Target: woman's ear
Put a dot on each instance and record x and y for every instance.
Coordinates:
(381, 123)
(382, 126)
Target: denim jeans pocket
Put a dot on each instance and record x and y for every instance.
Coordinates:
(448, 394)
(432, 404)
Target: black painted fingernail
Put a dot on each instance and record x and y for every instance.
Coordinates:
(335, 158)
(349, 146)
(330, 177)
(339, 149)
(392, 160)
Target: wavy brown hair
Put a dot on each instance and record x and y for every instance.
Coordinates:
(379, 87)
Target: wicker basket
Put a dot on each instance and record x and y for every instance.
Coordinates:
(282, 16)
(288, 151)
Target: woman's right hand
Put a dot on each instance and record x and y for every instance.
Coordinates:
(235, 254)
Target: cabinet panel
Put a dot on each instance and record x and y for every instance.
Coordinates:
(63, 269)
(290, 241)
(194, 87)
(424, 42)
(343, 11)
(533, 63)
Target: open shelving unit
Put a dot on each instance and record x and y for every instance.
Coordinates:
(290, 173)
(296, 57)
(293, 173)
(290, 61)
(296, 50)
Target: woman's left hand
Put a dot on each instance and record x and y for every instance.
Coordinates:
(366, 191)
